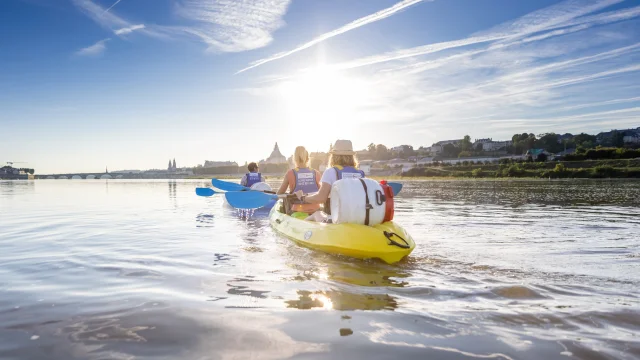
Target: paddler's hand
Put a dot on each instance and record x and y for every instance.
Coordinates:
(299, 194)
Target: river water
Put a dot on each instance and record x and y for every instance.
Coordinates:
(116, 269)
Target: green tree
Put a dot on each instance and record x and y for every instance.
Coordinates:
(465, 145)
(523, 142)
(617, 138)
(549, 142)
(407, 151)
(382, 153)
(371, 148)
(583, 140)
(449, 150)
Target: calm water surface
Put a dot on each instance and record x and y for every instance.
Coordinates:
(94, 269)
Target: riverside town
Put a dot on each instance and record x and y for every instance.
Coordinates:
(610, 154)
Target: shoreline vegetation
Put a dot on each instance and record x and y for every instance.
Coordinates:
(595, 169)
(598, 163)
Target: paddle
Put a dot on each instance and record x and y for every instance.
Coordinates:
(396, 187)
(228, 186)
(205, 192)
(249, 199)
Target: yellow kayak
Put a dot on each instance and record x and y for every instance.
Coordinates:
(388, 242)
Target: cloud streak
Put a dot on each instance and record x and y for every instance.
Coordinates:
(231, 25)
(95, 49)
(382, 14)
(112, 6)
(129, 30)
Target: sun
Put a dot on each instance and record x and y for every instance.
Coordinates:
(328, 101)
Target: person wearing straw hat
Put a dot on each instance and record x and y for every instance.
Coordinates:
(342, 165)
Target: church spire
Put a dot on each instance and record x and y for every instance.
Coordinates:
(174, 164)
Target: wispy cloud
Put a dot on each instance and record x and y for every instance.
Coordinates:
(129, 30)
(95, 49)
(115, 23)
(536, 22)
(231, 25)
(111, 7)
(569, 67)
(382, 14)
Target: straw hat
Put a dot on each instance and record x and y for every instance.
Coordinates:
(343, 147)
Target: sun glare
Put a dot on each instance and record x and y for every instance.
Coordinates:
(325, 98)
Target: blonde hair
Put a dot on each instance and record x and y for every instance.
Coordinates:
(343, 160)
(301, 157)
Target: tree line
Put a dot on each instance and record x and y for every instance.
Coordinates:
(521, 143)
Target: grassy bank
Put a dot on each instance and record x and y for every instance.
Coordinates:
(594, 169)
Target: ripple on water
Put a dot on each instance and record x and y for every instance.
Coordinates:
(148, 270)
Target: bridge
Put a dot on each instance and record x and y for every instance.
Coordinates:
(106, 176)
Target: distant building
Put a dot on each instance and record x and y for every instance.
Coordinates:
(126, 172)
(365, 166)
(447, 142)
(495, 145)
(276, 157)
(631, 139)
(405, 164)
(214, 164)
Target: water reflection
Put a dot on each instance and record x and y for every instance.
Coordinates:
(341, 300)
(244, 290)
(502, 269)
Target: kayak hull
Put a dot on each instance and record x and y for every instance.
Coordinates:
(353, 240)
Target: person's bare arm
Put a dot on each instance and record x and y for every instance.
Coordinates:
(318, 198)
(284, 186)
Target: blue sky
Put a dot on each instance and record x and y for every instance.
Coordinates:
(86, 84)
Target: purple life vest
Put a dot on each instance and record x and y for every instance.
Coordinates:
(253, 178)
(348, 172)
(305, 181)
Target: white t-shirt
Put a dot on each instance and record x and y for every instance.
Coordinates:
(329, 176)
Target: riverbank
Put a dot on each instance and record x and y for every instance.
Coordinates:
(592, 169)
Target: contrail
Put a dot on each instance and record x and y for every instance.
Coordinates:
(111, 7)
(350, 26)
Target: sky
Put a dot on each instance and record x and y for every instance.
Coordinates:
(130, 84)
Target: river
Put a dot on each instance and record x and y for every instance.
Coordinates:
(117, 269)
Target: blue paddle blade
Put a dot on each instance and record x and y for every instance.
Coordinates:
(396, 187)
(248, 199)
(227, 186)
(205, 191)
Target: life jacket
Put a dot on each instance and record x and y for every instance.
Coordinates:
(346, 172)
(304, 179)
(253, 178)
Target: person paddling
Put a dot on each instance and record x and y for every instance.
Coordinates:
(342, 165)
(302, 178)
(252, 177)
